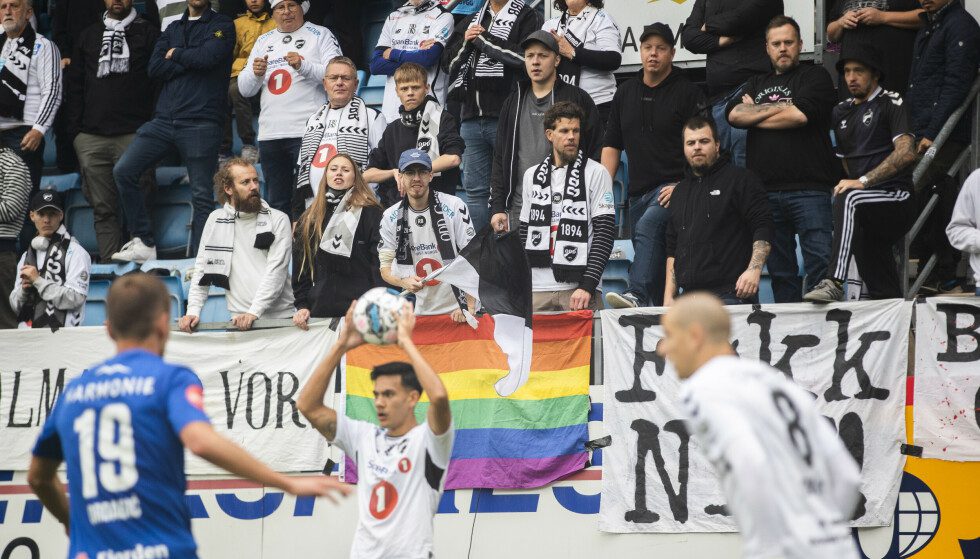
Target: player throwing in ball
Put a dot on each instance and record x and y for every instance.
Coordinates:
(122, 426)
(401, 464)
(788, 480)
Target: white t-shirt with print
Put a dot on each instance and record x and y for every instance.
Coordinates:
(598, 198)
(603, 34)
(399, 482)
(406, 30)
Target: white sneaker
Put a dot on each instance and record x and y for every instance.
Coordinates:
(625, 301)
(250, 153)
(135, 251)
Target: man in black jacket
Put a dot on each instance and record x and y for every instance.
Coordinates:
(483, 59)
(720, 225)
(520, 142)
(193, 60)
(944, 65)
(733, 34)
(108, 98)
(647, 116)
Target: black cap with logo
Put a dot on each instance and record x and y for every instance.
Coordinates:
(47, 199)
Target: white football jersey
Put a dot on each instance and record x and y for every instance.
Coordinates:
(789, 482)
(328, 144)
(289, 96)
(406, 30)
(399, 482)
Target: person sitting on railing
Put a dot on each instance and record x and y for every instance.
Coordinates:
(964, 230)
(944, 66)
(873, 207)
(245, 248)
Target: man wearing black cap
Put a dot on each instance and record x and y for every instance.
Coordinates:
(647, 115)
(520, 142)
(53, 283)
(872, 206)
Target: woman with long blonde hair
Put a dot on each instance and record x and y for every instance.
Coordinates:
(335, 246)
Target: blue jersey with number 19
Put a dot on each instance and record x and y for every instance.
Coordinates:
(117, 427)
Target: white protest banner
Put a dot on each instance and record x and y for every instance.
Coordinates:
(852, 357)
(251, 383)
(947, 378)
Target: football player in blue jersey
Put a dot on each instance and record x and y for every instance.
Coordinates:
(121, 428)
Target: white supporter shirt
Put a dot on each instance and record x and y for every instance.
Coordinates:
(328, 145)
(787, 477)
(289, 96)
(43, 86)
(603, 35)
(436, 297)
(399, 481)
(598, 198)
(69, 297)
(406, 30)
(258, 281)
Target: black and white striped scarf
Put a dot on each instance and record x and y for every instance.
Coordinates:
(403, 233)
(569, 255)
(352, 139)
(114, 52)
(478, 64)
(36, 311)
(220, 244)
(427, 117)
(13, 73)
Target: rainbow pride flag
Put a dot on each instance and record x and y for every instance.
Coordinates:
(528, 439)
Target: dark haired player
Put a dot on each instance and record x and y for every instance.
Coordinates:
(400, 465)
(121, 428)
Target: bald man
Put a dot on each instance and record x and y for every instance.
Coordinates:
(788, 480)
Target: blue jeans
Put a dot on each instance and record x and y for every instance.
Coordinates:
(479, 135)
(806, 213)
(648, 222)
(732, 139)
(279, 167)
(197, 143)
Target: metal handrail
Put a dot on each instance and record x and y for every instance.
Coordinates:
(917, 175)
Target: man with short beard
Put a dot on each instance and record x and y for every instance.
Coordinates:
(720, 227)
(245, 249)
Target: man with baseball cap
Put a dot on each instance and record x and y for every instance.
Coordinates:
(422, 233)
(873, 207)
(520, 142)
(52, 286)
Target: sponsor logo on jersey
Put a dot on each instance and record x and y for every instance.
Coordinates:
(411, 28)
(195, 396)
(215, 262)
(139, 552)
(287, 39)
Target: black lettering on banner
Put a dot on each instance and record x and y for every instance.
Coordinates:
(793, 343)
(31, 545)
(285, 398)
(851, 431)
(13, 405)
(953, 333)
(843, 364)
(629, 40)
(648, 440)
(267, 408)
(231, 410)
(639, 323)
(49, 397)
(976, 407)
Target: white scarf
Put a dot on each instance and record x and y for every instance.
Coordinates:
(338, 237)
(427, 118)
(114, 53)
(352, 139)
(220, 244)
(574, 29)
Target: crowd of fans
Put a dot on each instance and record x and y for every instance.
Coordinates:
(523, 115)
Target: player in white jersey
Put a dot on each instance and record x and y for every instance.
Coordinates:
(788, 480)
(401, 463)
(416, 32)
(288, 65)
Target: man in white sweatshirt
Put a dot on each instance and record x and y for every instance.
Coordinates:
(964, 229)
(245, 248)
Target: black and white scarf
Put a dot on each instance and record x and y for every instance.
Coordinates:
(220, 244)
(352, 139)
(403, 233)
(114, 52)
(574, 29)
(338, 236)
(13, 74)
(38, 312)
(421, 8)
(481, 66)
(570, 254)
(427, 117)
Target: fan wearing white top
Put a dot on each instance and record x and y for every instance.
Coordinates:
(288, 65)
(589, 43)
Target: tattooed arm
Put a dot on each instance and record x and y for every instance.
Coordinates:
(748, 283)
(897, 161)
(766, 115)
(670, 287)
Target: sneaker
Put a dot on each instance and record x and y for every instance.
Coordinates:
(622, 301)
(135, 251)
(827, 291)
(250, 153)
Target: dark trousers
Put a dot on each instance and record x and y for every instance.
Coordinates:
(806, 214)
(867, 224)
(8, 275)
(241, 107)
(932, 239)
(279, 167)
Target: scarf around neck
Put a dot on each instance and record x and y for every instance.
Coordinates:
(481, 66)
(220, 244)
(13, 73)
(352, 139)
(569, 255)
(42, 313)
(437, 220)
(114, 52)
(338, 236)
(426, 117)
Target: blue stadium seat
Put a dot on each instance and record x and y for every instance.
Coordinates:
(176, 291)
(61, 183)
(172, 228)
(95, 303)
(112, 270)
(374, 92)
(361, 81)
(80, 221)
(174, 280)
(170, 175)
(215, 308)
(372, 32)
